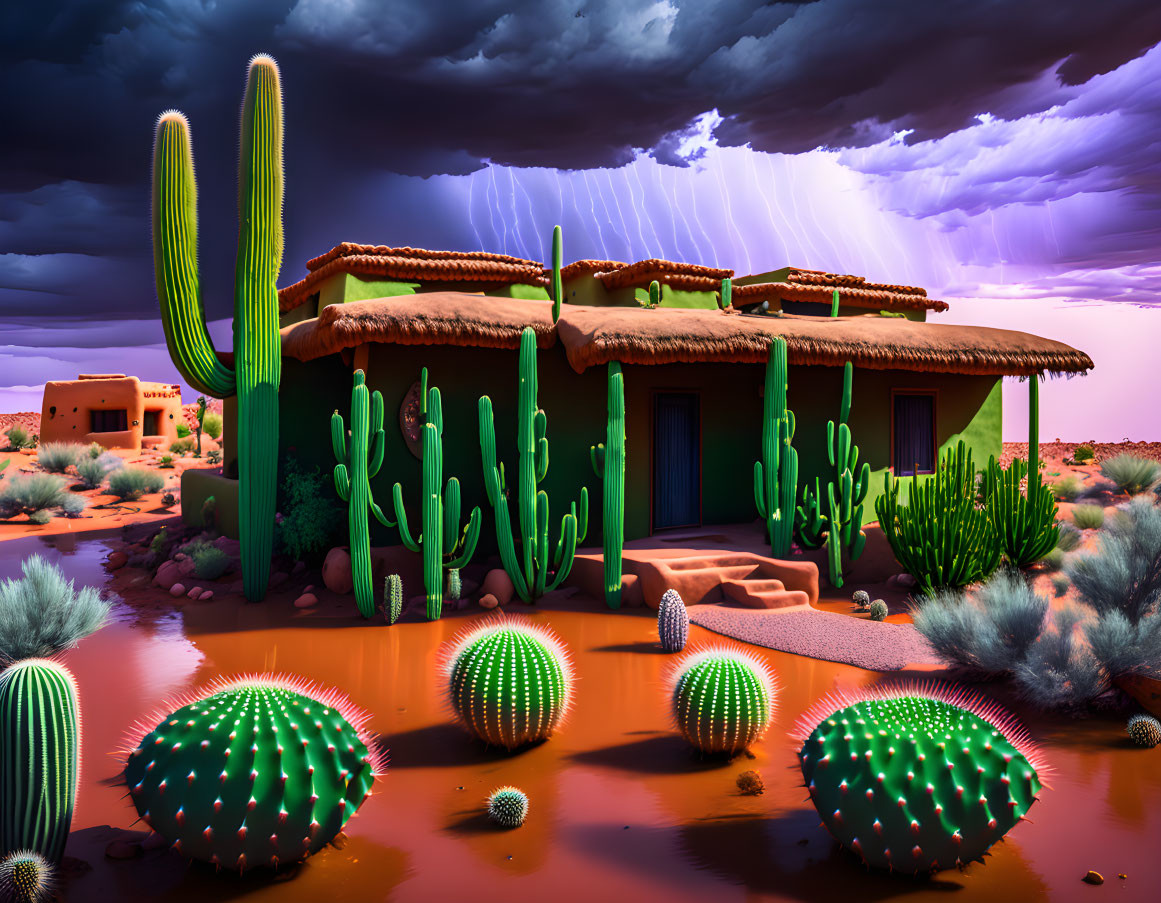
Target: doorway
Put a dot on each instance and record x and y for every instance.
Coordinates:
(676, 460)
(152, 424)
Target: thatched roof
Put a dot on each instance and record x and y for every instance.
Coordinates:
(854, 291)
(588, 267)
(681, 276)
(596, 335)
(413, 265)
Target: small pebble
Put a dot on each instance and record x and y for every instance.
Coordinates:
(306, 600)
(206, 596)
(489, 601)
(178, 589)
(1094, 878)
(195, 592)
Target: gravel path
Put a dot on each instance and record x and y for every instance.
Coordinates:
(874, 645)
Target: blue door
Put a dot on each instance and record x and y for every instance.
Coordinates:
(676, 460)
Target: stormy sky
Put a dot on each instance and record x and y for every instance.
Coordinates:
(1006, 155)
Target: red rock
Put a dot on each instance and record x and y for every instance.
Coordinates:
(178, 589)
(167, 575)
(306, 600)
(120, 849)
(195, 592)
(206, 596)
(488, 601)
(116, 560)
(336, 571)
(498, 584)
(632, 595)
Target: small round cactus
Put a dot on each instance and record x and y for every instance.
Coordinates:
(454, 584)
(251, 771)
(917, 778)
(750, 783)
(392, 598)
(862, 599)
(672, 622)
(722, 698)
(509, 681)
(878, 610)
(1145, 730)
(25, 877)
(508, 807)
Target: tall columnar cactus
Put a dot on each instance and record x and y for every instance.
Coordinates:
(530, 577)
(257, 770)
(776, 475)
(442, 543)
(726, 298)
(557, 263)
(509, 681)
(672, 621)
(39, 743)
(357, 463)
(608, 460)
(654, 294)
(914, 779)
(1034, 425)
(722, 698)
(201, 416)
(257, 369)
(26, 877)
(1024, 520)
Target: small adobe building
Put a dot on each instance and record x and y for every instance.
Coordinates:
(113, 409)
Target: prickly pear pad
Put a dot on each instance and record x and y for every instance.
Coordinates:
(252, 771)
(917, 779)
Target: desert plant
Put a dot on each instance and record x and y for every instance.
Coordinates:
(1083, 452)
(877, 798)
(1053, 560)
(130, 483)
(455, 587)
(750, 783)
(530, 578)
(92, 471)
(210, 562)
(257, 365)
(308, 766)
(878, 610)
(1069, 538)
(1066, 489)
(310, 515)
(168, 500)
(214, 456)
(862, 599)
(31, 494)
(510, 682)
(1088, 517)
(1060, 585)
(57, 457)
(722, 698)
(182, 446)
(941, 537)
(210, 514)
(988, 631)
(19, 438)
(183, 430)
(557, 285)
(39, 750)
(608, 460)
(1060, 670)
(95, 449)
(672, 621)
(26, 877)
(212, 425)
(392, 598)
(3, 466)
(1024, 522)
(159, 544)
(776, 475)
(508, 806)
(1124, 574)
(43, 613)
(199, 417)
(1131, 474)
(1144, 730)
(72, 505)
(165, 461)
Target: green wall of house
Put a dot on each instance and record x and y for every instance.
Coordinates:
(588, 290)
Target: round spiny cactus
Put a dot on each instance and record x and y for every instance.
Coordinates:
(917, 778)
(509, 681)
(862, 599)
(672, 622)
(1145, 730)
(508, 807)
(722, 698)
(25, 877)
(878, 610)
(253, 770)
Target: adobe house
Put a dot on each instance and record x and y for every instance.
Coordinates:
(116, 410)
(693, 373)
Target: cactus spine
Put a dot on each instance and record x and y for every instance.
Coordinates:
(26, 877)
(509, 681)
(257, 351)
(392, 598)
(440, 517)
(916, 780)
(557, 262)
(776, 475)
(258, 770)
(608, 460)
(529, 577)
(358, 463)
(723, 698)
(39, 743)
(508, 807)
(672, 622)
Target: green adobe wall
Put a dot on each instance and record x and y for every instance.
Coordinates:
(587, 289)
(771, 276)
(343, 287)
(519, 290)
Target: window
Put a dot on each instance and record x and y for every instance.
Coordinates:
(913, 432)
(108, 421)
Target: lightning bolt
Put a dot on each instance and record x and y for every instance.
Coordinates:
(733, 226)
(471, 201)
(697, 219)
(636, 167)
(593, 209)
(621, 215)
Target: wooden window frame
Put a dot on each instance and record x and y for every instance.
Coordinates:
(934, 395)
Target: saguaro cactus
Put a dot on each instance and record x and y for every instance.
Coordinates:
(776, 475)
(358, 463)
(557, 261)
(608, 460)
(442, 544)
(39, 741)
(257, 368)
(725, 299)
(531, 576)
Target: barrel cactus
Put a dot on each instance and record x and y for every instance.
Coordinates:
(917, 778)
(392, 598)
(672, 622)
(254, 770)
(1144, 730)
(862, 599)
(722, 698)
(25, 877)
(878, 610)
(509, 681)
(508, 807)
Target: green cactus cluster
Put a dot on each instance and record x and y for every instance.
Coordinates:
(258, 770)
(776, 475)
(508, 807)
(542, 566)
(26, 877)
(39, 747)
(608, 460)
(1023, 512)
(672, 621)
(917, 780)
(510, 682)
(257, 366)
(723, 698)
(392, 598)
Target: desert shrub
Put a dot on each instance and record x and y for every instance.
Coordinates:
(214, 456)
(130, 483)
(43, 613)
(1069, 538)
(210, 562)
(1131, 474)
(1060, 670)
(183, 430)
(1066, 489)
(878, 610)
(40, 518)
(182, 446)
(1054, 560)
(31, 493)
(1083, 452)
(165, 461)
(989, 631)
(1124, 574)
(95, 449)
(93, 471)
(57, 457)
(310, 515)
(1088, 517)
(1024, 520)
(212, 425)
(73, 505)
(1060, 584)
(19, 438)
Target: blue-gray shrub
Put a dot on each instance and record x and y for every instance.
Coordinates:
(1124, 574)
(1060, 671)
(43, 613)
(1131, 474)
